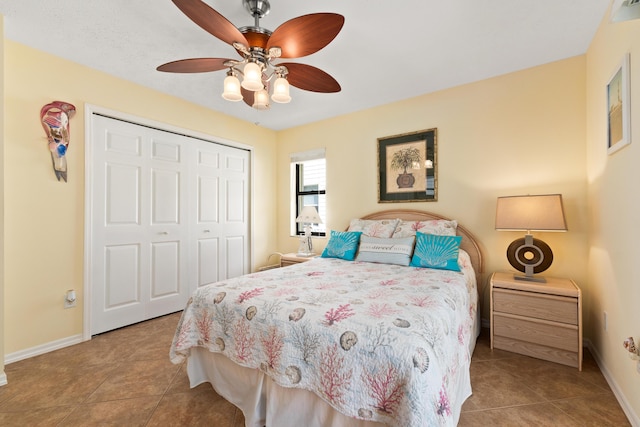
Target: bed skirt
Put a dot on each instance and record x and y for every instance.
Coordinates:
(265, 403)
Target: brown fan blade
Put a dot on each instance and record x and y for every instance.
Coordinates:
(306, 34)
(194, 65)
(211, 21)
(247, 96)
(310, 78)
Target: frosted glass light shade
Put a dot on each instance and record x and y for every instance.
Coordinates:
(261, 100)
(232, 89)
(281, 91)
(252, 77)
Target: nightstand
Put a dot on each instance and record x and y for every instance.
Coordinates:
(293, 258)
(542, 320)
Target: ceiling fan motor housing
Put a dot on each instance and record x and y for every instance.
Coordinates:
(257, 8)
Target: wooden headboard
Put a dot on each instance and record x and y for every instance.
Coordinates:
(469, 243)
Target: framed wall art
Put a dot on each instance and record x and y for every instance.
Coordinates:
(618, 107)
(407, 167)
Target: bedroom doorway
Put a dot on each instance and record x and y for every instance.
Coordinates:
(165, 213)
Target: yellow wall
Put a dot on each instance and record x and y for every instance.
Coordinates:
(540, 130)
(2, 109)
(516, 134)
(614, 210)
(45, 218)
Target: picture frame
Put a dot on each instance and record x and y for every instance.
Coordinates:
(619, 107)
(407, 167)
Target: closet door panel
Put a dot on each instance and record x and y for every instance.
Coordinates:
(168, 213)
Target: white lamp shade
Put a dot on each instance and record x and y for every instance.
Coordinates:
(281, 91)
(232, 89)
(261, 100)
(531, 213)
(309, 214)
(252, 77)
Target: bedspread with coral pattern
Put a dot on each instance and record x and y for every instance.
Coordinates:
(377, 342)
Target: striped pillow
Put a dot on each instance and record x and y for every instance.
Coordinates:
(385, 251)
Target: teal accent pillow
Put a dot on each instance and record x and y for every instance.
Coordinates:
(342, 244)
(434, 251)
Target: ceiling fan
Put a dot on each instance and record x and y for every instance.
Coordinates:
(260, 50)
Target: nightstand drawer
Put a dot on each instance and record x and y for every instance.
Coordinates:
(539, 306)
(569, 358)
(292, 258)
(559, 336)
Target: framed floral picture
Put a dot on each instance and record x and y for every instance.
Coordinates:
(407, 167)
(618, 107)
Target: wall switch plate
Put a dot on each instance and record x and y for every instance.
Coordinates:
(70, 299)
(604, 320)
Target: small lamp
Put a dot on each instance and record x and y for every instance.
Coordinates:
(530, 213)
(308, 215)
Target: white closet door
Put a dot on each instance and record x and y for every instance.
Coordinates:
(221, 192)
(169, 213)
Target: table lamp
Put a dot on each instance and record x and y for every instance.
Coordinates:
(308, 215)
(530, 213)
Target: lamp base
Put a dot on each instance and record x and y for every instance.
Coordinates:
(306, 254)
(529, 255)
(538, 279)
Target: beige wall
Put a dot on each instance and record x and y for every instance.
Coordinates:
(516, 134)
(45, 218)
(614, 210)
(519, 133)
(2, 240)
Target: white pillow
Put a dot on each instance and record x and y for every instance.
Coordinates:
(440, 227)
(374, 227)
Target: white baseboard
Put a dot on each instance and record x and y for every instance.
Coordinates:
(42, 349)
(3, 379)
(622, 399)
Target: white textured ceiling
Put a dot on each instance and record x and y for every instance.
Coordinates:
(387, 50)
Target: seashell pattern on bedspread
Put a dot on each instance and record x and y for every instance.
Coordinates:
(379, 342)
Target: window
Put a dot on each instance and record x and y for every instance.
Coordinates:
(308, 176)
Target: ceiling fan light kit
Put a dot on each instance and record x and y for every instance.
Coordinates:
(261, 100)
(232, 88)
(281, 91)
(251, 78)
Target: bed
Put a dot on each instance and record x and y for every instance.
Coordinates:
(339, 342)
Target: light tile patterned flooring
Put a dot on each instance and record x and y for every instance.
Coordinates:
(124, 378)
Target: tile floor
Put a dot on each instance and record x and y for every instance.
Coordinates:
(124, 378)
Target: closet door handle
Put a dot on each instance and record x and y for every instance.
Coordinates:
(164, 232)
(207, 231)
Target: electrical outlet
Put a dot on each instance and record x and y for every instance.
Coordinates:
(68, 304)
(70, 299)
(604, 320)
